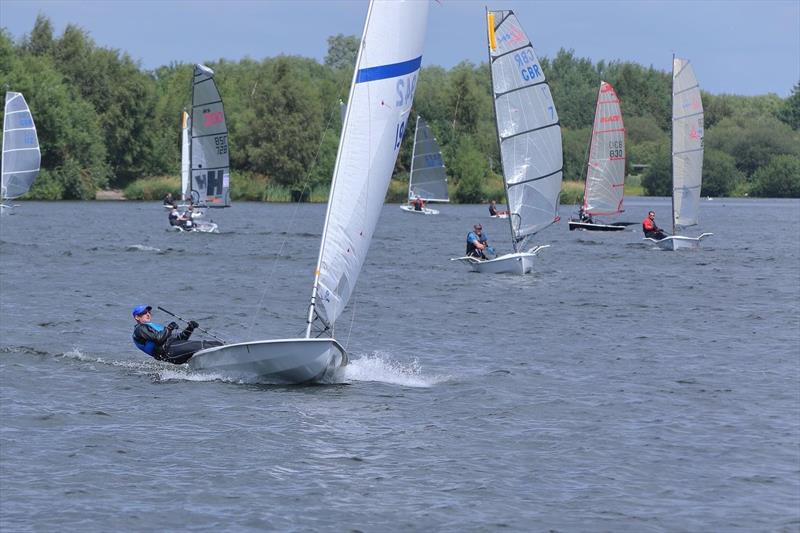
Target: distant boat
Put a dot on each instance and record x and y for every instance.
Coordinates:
(529, 136)
(205, 161)
(428, 177)
(21, 155)
(604, 191)
(687, 156)
(381, 95)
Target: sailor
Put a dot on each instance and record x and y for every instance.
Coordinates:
(163, 342)
(168, 200)
(418, 203)
(477, 242)
(174, 216)
(493, 209)
(583, 216)
(650, 229)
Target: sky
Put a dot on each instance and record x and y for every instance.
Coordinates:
(736, 46)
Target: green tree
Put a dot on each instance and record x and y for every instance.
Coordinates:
(780, 178)
(576, 152)
(342, 51)
(789, 112)
(469, 170)
(657, 181)
(720, 174)
(753, 141)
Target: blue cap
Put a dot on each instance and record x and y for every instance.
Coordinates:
(141, 309)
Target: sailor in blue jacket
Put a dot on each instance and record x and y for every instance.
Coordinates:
(163, 342)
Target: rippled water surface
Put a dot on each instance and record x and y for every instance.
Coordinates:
(618, 388)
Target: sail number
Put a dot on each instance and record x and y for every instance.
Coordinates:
(616, 149)
(526, 62)
(398, 134)
(221, 144)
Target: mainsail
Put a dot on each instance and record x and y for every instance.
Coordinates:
(687, 145)
(378, 108)
(605, 170)
(210, 166)
(527, 126)
(428, 177)
(21, 156)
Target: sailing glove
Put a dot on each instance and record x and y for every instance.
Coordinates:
(192, 325)
(171, 326)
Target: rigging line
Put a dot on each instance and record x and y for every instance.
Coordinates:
(291, 221)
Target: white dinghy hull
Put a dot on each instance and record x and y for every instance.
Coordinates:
(519, 263)
(679, 242)
(425, 210)
(284, 361)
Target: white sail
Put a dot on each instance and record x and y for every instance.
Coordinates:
(527, 126)
(605, 170)
(687, 145)
(186, 190)
(21, 155)
(428, 176)
(210, 166)
(378, 108)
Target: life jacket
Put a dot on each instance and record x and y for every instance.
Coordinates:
(471, 248)
(148, 347)
(648, 225)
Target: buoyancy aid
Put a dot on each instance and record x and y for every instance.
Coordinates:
(471, 248)
(148, 347)
(648, 225)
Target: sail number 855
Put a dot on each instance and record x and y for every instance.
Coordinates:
(221, 144)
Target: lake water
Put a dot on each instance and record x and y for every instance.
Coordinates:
(617, 388)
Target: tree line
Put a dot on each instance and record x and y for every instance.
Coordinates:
(104, 122)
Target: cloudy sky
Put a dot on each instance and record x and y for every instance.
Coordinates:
(741, 47)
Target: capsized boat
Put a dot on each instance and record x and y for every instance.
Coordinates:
(21, 155)
(381, 95)
(687, 156)
(604, 190)
(428, 176)
(529, 135)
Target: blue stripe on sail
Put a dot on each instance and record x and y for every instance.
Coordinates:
(383, 72)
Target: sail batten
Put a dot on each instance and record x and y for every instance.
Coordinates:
(208, 182)
(687, 145)
(528, 128)
(21, 156)
(378, 108)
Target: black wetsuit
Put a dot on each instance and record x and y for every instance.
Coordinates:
(168, 345)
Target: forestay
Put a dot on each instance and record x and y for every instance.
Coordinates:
(378, 108)
(21, 155)
(428, 177)
(605, 172)
(687, 144)
(527, 127)
(210, 174)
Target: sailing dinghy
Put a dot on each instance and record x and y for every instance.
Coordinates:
(381, 94)
(205, 161)
(687, 156)
(428, 177)
(529, 135)
(604, 191)
(21, 155)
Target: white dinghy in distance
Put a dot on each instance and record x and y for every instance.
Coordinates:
(378, 109)
(529, 135)
(428, 176)
(687, 156)
(604, 191)
(21, 156)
